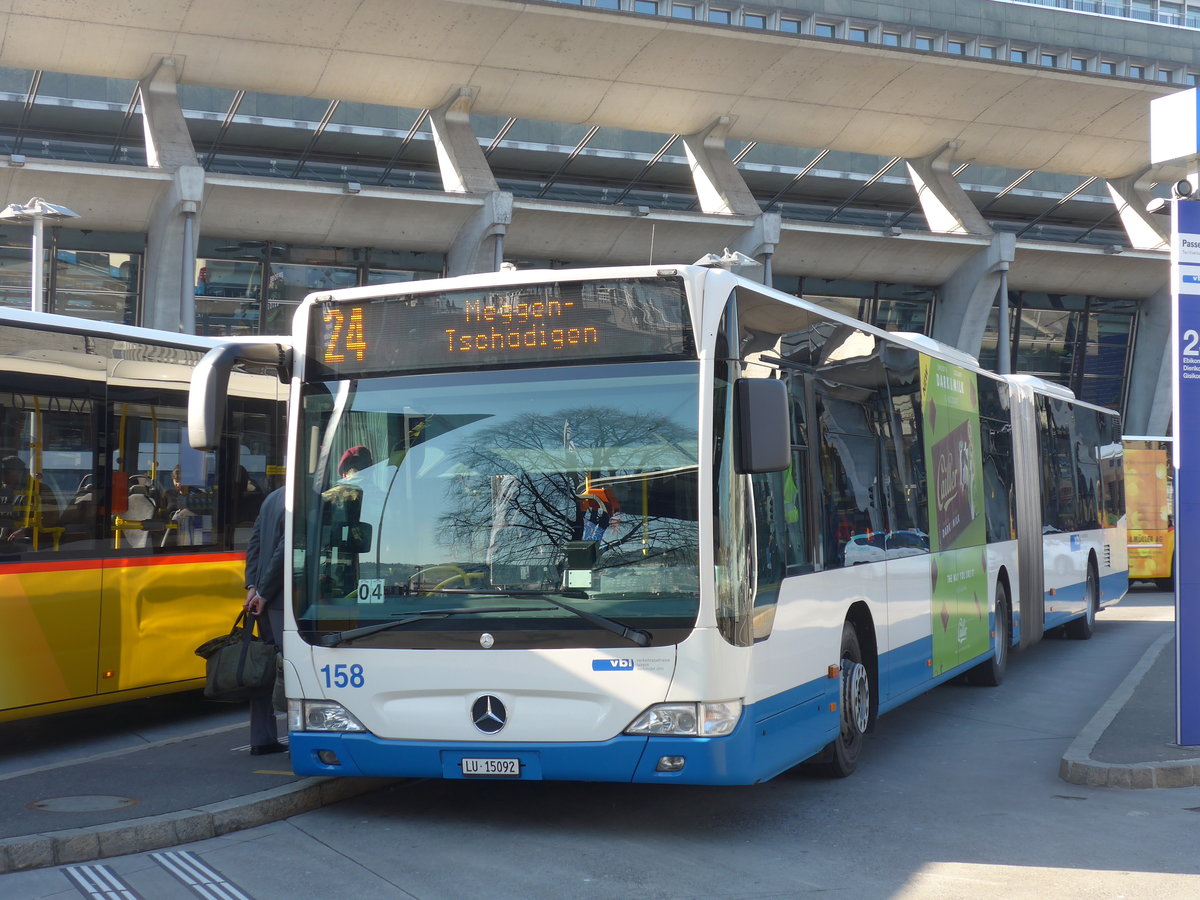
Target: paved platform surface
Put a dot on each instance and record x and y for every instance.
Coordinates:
(1130, 742)
(161, 773)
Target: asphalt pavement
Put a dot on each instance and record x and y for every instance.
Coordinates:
(97, 796)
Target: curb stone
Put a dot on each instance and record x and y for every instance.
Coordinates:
(78, 845)
(1077, 766)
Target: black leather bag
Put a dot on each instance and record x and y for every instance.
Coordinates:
(238, 665)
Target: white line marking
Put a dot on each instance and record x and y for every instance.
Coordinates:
(100, 882)
(203, 880)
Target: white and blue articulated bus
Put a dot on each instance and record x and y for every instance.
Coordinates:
(656, 524)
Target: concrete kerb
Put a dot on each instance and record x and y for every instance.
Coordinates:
(77, 845)
(1077, 766)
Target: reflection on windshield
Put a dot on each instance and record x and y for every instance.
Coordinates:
(579, 481)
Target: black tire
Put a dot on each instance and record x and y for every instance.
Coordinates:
(990, 672)
(840, 757)
(1082, 628)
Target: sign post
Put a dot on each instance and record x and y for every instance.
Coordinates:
(1175, 137)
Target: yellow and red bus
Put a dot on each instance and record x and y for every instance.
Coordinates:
(1150, 501)
(121, 547)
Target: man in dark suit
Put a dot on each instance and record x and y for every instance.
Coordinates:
(266, 559)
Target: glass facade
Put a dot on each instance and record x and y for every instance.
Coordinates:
(1081, 342)
(93, 276)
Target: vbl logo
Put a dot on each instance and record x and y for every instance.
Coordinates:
(612, 665)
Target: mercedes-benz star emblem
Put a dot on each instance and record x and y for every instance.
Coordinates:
(486, 641)
(488, 714)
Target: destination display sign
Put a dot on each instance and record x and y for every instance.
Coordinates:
(555, 323)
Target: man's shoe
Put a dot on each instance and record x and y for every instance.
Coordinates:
(264, 749)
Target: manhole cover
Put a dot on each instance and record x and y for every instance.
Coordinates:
(85, 803)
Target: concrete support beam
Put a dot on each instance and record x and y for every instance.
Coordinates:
(479, 244)
(966, 299)
(465, 170)
(172, 233)
(947, 208)
(1148, 401)
(720, 187)
(1131, 195)
(168, 142)
(759, 242)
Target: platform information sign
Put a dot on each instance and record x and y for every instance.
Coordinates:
(1185, 276)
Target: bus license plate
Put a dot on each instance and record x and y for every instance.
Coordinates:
(491, 768)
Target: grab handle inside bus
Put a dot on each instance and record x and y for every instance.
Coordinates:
(762, 423)
(210, 385)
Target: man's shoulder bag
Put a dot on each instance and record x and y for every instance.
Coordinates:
(238, 665)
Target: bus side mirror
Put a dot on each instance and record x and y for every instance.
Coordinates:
(761, 417)
(353, 537)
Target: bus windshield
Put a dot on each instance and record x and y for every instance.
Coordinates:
(531, 507)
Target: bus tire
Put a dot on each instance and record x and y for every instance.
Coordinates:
(840, 756)
(1082, 628)
(990, 672)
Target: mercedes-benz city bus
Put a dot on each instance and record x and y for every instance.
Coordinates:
(656, 524)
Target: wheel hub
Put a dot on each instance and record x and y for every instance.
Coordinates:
(856, 695)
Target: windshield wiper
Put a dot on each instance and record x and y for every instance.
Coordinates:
(340, 637)
(636, 635)
(639, 637)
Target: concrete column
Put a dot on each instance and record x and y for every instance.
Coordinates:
(1148, 403)
(171, 238)
(947, 208)
(465, 170)
(965, 300)
(720, 187)
(1131, 195)
(478, 246)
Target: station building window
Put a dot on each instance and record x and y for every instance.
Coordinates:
(893, 307)
(649, 7)
(987, 51)
(754, 20)
(683, 11)
(230, 279)
(856, 33)
(825, 29)
(95, 275)
(1017, 55)
(890, 39)
(958, 48)
(923, 42)
(1079, 64)
(1078, 341)
(790, 26)
(720, 16)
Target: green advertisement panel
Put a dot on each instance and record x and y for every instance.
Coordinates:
(957, 531)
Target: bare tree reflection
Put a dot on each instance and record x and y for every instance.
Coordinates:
(600, 473)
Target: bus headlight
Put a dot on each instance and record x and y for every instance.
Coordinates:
(688, 719)
(321, 715)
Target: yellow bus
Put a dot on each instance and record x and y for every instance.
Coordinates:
(121, 547)
(1149, 497)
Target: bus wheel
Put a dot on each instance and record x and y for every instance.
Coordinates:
(840, 756)
(990, 673)
(1081, 629)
